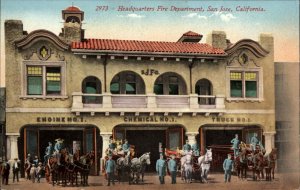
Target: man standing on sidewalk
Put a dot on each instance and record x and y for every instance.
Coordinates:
(161, 169)
(5, 172)
(173, 169)
(16, 168)
(110, 167)
(227, 166)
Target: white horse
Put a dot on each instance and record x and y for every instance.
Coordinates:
(204, 163)
(187, 167)
(138, 166)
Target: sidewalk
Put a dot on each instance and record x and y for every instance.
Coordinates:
(152, 182)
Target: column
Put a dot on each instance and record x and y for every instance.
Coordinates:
(12, 142)
(191, 137)
(269, 140)
(105, 143)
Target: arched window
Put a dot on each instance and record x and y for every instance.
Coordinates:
(204, 87)
(73, 19)
(170, 84)
(127, 82)
(91, 85)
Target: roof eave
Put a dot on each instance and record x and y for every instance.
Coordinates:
(153, 54)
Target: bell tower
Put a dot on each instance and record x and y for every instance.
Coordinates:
(72, 30)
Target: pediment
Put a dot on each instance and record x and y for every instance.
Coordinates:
(254, 47)
(41, 35)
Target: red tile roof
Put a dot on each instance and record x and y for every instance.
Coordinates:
(146, 46)
(73, 9)
(191, 33)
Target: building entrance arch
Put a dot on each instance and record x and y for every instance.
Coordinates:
(84, 138)
(152, 138)
(218, 137)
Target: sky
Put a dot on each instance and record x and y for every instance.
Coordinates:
(164, 20)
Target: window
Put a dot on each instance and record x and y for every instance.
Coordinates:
(53, 81)
(34, 80)
(127, 82)
(130, 87)
(42, 79)
(243, 84)
(173, 85)
(169, 84)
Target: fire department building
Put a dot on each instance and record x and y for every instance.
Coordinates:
(89, 90)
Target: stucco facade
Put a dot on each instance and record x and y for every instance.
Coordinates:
(144, 108)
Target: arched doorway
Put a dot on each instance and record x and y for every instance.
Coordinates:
(84, 138)
(170, 83)
(91, 85)
(151, 138)
(127, 82)
(218, 137)
(204, 88)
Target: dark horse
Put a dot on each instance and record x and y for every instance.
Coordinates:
(58, 172)
(83, 166)
(123, 168)
(257, 164)
(241, 164)
(270, 160)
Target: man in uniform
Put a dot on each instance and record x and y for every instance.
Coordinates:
(187, 147)
(48, 152)
(16, 168)
(195, 149)
(111, 147)
(161, 169)
(126, 147)
(254, 142)
(227, 166)
(59, 145)
(172, 165)
(110, 167)
(235, 145)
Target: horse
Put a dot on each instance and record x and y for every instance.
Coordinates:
(85, 163)
(204, 163)
(270, 161)
(58, 170)
(256, 163)
(123, 167)
(187, 167)
(240, 164)
(138, 166)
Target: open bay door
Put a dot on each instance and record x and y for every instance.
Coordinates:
(90, 144)
(174, 138)
(31, 137)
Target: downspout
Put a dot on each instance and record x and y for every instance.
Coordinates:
(191, 65)
(104, 64)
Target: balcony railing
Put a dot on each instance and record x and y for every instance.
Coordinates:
(207, 101)
(107, 102)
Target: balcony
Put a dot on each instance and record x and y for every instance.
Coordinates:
(149, 103)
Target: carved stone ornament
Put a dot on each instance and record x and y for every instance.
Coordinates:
(59, 56)
(44, 53)
(28, 54)
(242, 58)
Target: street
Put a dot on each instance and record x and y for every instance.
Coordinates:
(281, 182)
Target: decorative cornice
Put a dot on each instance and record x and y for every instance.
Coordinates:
(38, 35)
(249, 44)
